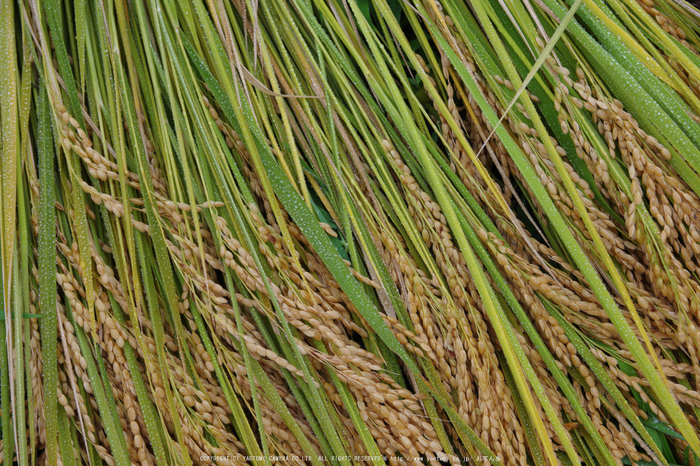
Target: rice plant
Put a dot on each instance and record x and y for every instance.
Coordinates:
(345, 232)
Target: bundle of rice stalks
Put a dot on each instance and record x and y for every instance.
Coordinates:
(350, 232)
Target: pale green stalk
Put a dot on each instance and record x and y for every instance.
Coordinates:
(47, 274)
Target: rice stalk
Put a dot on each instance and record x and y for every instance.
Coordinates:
(363, 232)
